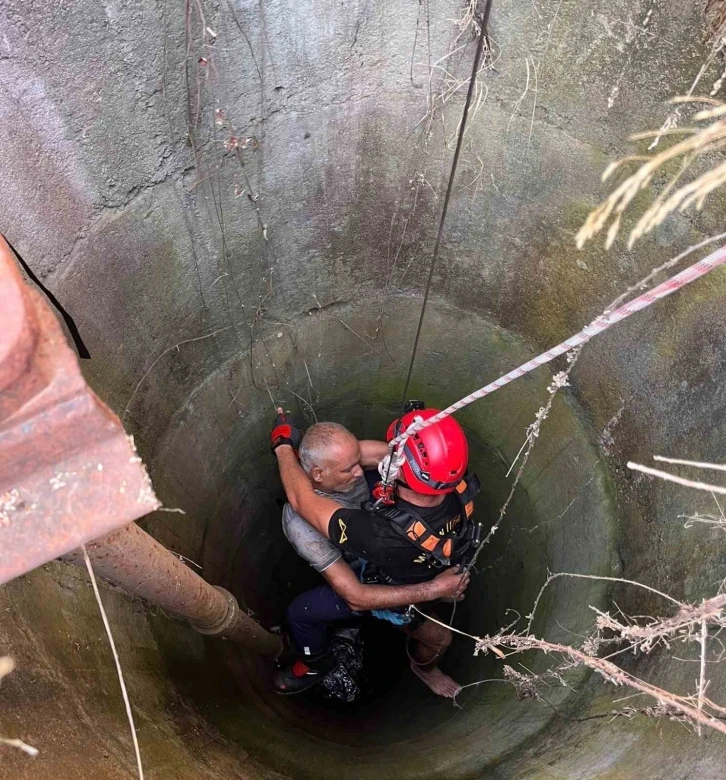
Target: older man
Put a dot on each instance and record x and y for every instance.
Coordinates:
(333, 461)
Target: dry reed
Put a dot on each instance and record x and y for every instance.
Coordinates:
(700, 141)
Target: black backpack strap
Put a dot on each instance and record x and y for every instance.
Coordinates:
(466, 491)
(470, 531)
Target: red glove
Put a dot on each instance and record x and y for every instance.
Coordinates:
(284, 431)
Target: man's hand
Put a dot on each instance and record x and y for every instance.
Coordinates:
(284, 431)
(450, 584)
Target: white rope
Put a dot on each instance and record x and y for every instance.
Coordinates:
(391, 464)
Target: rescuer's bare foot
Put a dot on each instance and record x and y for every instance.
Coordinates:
(441, 684)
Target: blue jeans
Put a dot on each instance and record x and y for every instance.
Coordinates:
(308, 617)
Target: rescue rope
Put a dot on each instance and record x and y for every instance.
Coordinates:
(597, 326)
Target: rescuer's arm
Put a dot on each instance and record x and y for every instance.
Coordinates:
(361, 598)
(372, 452)
(316, 509)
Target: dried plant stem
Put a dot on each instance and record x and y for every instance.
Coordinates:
(305, 401)
(516, 643)
(707, 136)
(702, 675)
(696, 463)
(122, 683)
(355, 333)
(678, 480)
(552, 577)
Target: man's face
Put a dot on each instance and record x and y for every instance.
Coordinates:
(341, 470)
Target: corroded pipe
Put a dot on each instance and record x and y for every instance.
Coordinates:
(137, 563)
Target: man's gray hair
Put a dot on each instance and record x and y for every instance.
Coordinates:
(316, 442)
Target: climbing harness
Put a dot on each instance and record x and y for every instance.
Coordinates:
(438, 548)
(597, 326)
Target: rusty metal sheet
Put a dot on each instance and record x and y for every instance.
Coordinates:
(68, 471)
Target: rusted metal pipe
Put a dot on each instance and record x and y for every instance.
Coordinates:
(136, 562)
(68, 471)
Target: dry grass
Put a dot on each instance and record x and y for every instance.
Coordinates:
(706, 136)
(718, 520)
(715, 11)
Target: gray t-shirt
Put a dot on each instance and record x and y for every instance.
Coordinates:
(308, 542)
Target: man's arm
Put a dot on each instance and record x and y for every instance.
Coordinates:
(361, 598)
(372, 452)
(317, 510)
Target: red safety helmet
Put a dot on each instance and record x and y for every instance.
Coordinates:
(436, 457)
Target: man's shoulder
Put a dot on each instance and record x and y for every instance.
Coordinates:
(308, 542)
(294, 524)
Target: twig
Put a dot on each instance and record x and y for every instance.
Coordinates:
(188, 560)
(478, 682)
(696, 463)
(517, 643)
(119, 671)
(221, 276)
(678, 480)
(521, 97)
(307, 371)
(534, 103)
(305, 401)
(270, 394)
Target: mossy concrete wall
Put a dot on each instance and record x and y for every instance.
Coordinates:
(120, 192)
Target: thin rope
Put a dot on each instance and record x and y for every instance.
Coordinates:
(444, 210)
(119, 671)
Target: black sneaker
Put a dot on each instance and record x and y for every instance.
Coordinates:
(303, 675)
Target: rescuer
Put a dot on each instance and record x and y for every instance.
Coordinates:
(410, 549)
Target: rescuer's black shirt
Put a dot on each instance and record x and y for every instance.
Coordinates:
(373, 538)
